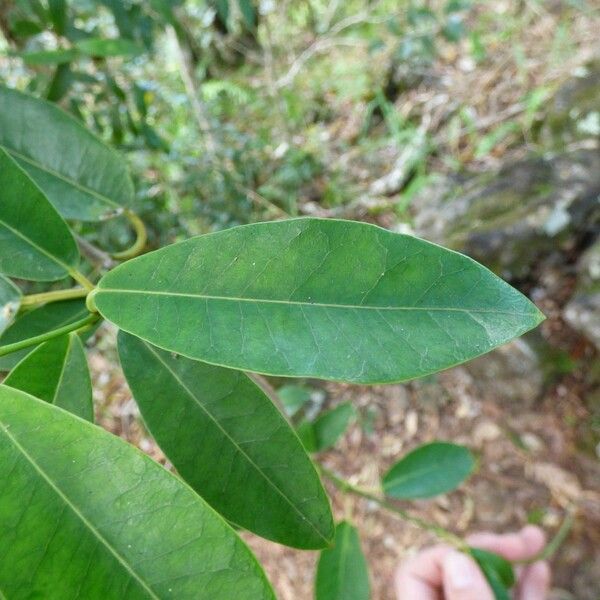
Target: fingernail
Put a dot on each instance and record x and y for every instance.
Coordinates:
(461, 571)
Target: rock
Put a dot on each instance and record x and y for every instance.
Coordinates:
(511, 373)
(582, 312)
(574, 113)
(532, 210)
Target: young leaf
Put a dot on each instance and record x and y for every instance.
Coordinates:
(229, 442)
(79, 174)
(39, 321)
(57, 372)
(84, 514)
(10, 301)
(319, 298)
(35, 242)
(342, 570)
(429, 470)
(332, 424)
(98, 47)
(497, 570)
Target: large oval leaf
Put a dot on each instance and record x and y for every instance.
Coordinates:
(36, 322)
(85, 515)
(10, 301)
(429, 470)
(35, 242)
(81, 176)
(262, 480)
(342, 570)
(57, 372)
(316, 298)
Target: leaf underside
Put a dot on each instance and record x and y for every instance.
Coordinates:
(317, 298)
(85, 515)
(262, 479)
(10, 301)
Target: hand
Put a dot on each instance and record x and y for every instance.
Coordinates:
(442, 573)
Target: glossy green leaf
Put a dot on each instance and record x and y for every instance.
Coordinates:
(342, 570)
(262, 479)
(327, 429)
(57, 372)
(498, 572)
(104, 48)
(35, 242)
(10, 301)
(319, 298)
(39, 321)
(429, 470)
(293, 398)
(79, 174)
(85, 515)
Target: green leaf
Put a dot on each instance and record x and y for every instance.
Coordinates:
(321, 298)
(103, 48)
(429, 470)
(263, 480)
(293, 398)
(10, 302)
(35, 243)
(342, 570)
(48, 57)
(36, 322)
(57, 372)
(79, 174)
(332, 424)
(248, 13)
(497, 570)
(84, 514)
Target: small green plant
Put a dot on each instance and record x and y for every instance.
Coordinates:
(84, 514)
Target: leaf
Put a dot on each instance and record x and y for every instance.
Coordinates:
(79, 174)
(498, 572)
(104, 48)
(429, 470)
(36, 322)
(342, 570)
(84, 514)
(10, 302)
(57, 372)
(293, 398)
(321, 298)
(248, 13)
(58, 13)
(48, 57)
(262, 480)
(35, 243)
(332, 424)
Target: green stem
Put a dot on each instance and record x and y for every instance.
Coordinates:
(556, 542)
(49, 335)
(56, 296)
(345, 486)
(81, 279)
(140, 240)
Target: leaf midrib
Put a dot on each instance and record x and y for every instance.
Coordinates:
(233, 442)
(77, 512)
(102, 290)
(62, 177)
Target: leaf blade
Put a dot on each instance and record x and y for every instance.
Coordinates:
(57, 372)
(429, 470)
(174, 545)
(10, 301)
(342, 572)
(64, 161)
(316, 298)
(35, 242)
(196, 411)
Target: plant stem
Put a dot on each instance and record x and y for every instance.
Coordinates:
(56, 296)
(556, 542)
(346, 486)
(49, 335)
(141, 237)
(81, 279)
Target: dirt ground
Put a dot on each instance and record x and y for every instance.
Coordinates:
(527, 435)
